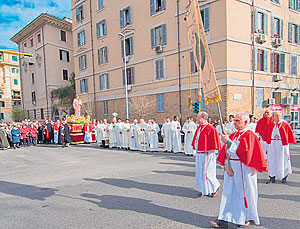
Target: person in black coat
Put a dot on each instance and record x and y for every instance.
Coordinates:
(64, 136)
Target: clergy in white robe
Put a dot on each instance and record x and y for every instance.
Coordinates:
(229, 127)
(153, 130)
(119, 130)
(166, 135)
(112, 134)
(133, 135)
(189, 129)
(207, 143)
(105, 133)
(240, 195)
(98, 129)
(126, 134)
(142, 136)
(175, 128)
(279, 136)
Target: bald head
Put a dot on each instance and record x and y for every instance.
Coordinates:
(202, 117)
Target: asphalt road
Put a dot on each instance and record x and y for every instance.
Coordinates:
(86, 187)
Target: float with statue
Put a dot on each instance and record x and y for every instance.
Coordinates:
(77, 123)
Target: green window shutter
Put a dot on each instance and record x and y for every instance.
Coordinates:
(129, 15)
(152, 38)
(132, 75)
(122, 19)
(256, 20)
(104, 28)
(152, 7)
(290, 32)
(298, 33)
(255, 60)
(206, 19)
(281, 29)
(107, 81)
(265, 60)
(298, 7)
(163, 4)
(272, 26)
(266, 24)
(272, 62)
(290, 3)
(282, 63)
(164, 34)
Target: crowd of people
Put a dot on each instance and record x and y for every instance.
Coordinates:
(30, 133)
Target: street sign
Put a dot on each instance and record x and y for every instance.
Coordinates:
(277, 107)
(294, 108)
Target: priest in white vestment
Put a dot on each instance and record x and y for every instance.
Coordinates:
(119, 130)
(166, 135)
(112, 134)
(189, 129)
(142, 136)
(229, 126)
(126, 134)
(153, 130)
(175, 128)
(133, 135)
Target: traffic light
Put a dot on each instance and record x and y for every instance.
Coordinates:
(196, 107)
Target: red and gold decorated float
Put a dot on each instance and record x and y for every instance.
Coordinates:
(77, 125)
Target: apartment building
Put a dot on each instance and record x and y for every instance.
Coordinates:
(255, 48)
(10, 85)
(50, 41)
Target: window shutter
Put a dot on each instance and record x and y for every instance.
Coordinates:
(265, 60)
(255, 60)
(290, 32)
(281, 29)
(162, 104)
(60, 54)
(266, 24)
(129, 15)
(86, 85)
(104, 28)
(162, 69)
(101, 81)
(131, 45)
(107, 81)
(282, 63)
(78, 39)
(295, 62)
(206, 19)
(81, 86)
(290, 3)
(122, 19)
(122, 47)
(152, 7)
(77, 14)
(298, 5)
(132, 75)
(67, 56)
(152, 37)
(192, 61)
(272, 26)
(98, 29)
(298, 33)
(272, 62)
(163, 4)
(123, 74)
(105, 54)
(256, 20)
(291, 65)
(164, 34)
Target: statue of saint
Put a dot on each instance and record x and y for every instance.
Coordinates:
(77, 106)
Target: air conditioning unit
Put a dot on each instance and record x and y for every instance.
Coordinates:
(277, 77)
(269, 102)
(129, 87)
(262, 38)
(277, 42)
(158, 49)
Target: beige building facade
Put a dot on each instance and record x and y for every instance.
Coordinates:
(10, 84)
(50, 41)
(255, 48)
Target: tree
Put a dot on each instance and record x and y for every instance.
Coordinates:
(18, 114)
(141, 105)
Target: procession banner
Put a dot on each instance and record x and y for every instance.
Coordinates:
(201, 54)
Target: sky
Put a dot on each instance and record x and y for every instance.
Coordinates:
(16, 14)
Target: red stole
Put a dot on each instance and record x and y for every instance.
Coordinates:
(261, 127)
(285, 130)
(249, 151)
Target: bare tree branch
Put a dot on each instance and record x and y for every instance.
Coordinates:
(141, 105)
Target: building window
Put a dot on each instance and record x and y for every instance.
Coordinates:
(33, 98)
(104, 81)
(294, 4)
(105, 107)
(102, 55)
(84, 86)
(16, 82)
(261, 61)
(261, 22)
(25, 45)
(125, 17)
(14, 58)
(159, 69)
(130, 76)
(100, 4)
(39, 38)
(31, 42)
(1, 116)
(160, 103)
(157, 6)
(32, 78)
(278, 62)
(79, 13)
(293, 65)
(34, 113)
(259, 97)
(158, 36)
(2, 104)
(205, 18)
(63, 35)
(276, 1)
(277, 96)
(81, 38)
(294, 33)
(16, 103)
(65, 74)
(42, 113)
(82, 62)
(193, 63)
(64, 55)
(276, 27)
(13, 70)
(295, 96)
(101, 28)
(128, 46)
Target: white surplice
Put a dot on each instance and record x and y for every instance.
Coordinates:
(189, 129)
(167, 138)
(119, 129)
(126, 135)
(175, 128)
(278, 156)
(98, 129)
(142, 137)
(153, 130)
(133, 137)
(112, 135)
